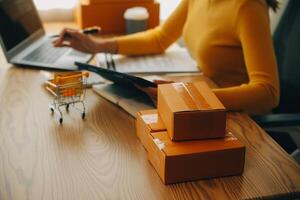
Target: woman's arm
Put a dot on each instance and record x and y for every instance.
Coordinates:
(74, 39)
(148, 42)
(156, 40)
(261, 94)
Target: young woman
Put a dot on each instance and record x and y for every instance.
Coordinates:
(230, 40)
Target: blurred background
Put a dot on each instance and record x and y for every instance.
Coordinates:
(58, 10)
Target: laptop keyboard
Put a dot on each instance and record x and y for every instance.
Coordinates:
(46, 53)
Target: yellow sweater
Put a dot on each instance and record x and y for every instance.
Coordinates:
(231, 42)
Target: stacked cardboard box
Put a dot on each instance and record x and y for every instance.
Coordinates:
(191, 111)
(108, 14)
(193, 145)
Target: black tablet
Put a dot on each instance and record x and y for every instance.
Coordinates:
(116, 77)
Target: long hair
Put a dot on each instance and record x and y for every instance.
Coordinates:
(273, 4)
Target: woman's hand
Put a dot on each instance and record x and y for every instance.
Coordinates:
(152, 91)
(74, 39)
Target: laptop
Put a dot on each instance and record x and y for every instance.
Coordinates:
(24, 41)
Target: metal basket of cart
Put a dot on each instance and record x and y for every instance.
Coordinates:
(68, 90)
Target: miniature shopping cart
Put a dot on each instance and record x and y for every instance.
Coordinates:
(67, 89)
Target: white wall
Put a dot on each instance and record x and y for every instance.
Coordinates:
(274, 17)
(166, 7)
(62, 10)
(56, 10)
(52, 4)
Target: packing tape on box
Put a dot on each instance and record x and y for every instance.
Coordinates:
(230, 136)
(150, 119)
(159, 144)
(191, 96)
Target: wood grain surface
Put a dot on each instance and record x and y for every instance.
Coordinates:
(101, 157)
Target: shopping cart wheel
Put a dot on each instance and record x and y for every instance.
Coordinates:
(83, 115)
(67, 107)
(60, 120)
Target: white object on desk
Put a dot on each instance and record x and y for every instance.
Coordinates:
(172, 61)
(136, 19)
(131, 101)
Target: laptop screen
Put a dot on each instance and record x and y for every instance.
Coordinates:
(18, 20)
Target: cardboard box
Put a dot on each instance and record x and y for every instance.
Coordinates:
(148, 121)
(109, 16)
(191, 111)
(192, 160)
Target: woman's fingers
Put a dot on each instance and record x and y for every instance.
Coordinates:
(77, 40)
(59, 41)
(157, 82)
(66, 45)
(66, 34)
(148, 90)
(152, 91)
(67, 41)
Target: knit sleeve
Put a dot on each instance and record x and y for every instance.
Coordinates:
(261, 93)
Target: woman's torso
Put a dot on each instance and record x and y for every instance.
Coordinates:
(211, 36)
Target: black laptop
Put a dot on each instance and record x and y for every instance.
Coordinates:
(24, 41)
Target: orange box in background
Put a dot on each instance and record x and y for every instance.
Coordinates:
(191, 111)
(148, 121)
(109, 16)
(112, 1)
(192, 160)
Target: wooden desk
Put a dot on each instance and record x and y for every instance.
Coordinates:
(101, 158)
